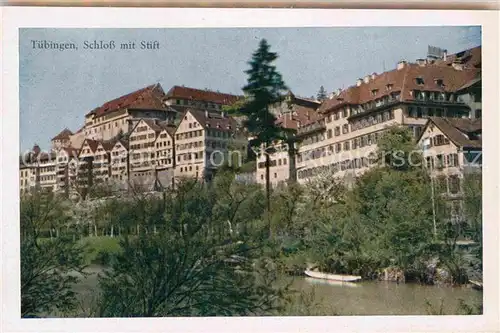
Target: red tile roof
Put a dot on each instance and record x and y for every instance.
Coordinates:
(458, 130)
(92, 144)
(201, 95)
(301, 116)
(65, 134)
(214, 120)
(470, 58)
(403, 81)
(150, 97)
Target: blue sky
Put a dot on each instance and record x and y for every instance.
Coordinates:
(57, 88)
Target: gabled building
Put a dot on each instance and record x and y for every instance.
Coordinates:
(120, 163)
(142, 152)
(452, 147)
(204, 141)
(86, 156)
(66, 169)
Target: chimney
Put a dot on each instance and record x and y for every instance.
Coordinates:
(421, 62)
(445, 55)
(358, 82)
(374, 75)
(367, 79)
(401, 64)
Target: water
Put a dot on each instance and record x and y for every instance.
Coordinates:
(321, 297)
(384, 298)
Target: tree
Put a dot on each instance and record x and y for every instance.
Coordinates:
(194, 266)
(265, 87)
(321, 96)
(48, 266)
(396, 149)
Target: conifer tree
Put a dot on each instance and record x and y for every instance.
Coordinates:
(321, 94)
(264, 88)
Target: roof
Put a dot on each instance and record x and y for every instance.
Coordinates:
(301, 116)
(404, 81)
(92, 144)
(214, 120)
(201, 95)
(458, 130)
(64, 134)
(150, 97)
(470, 58)
(470, 84)
(71, 151)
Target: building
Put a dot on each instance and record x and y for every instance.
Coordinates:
(121, 114)
(62, 139)
(452, 147)
(143, 153)
(205, 141)
(293, 113)
(120, 168)
(66, 169)
(353, 120)
(85, 172)
(184, 97)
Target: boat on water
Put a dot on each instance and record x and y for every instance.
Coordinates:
(476, 284)
(332, 277)
(332, 283)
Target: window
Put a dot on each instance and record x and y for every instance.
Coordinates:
(419, 80)
(338, 148)
(454, 184)
(439, 112)
(337, 131)
(284, 161)
(477, 113)
(439, 161)
(329, 134)
(275, 175)
(346, 145)
(354, 143)
(345, 129)
(438, 140)
(336, 115)
(378, 118)
(345, 113)
(374, 92)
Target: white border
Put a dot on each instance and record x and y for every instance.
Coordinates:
(17, 17)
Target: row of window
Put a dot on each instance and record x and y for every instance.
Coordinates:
(190, 168)
(359, 142)
(103, 127)
(442, 161)
(162, 144)
(197, 103)
(372, 120)
(190, 156)
(356, 163)
(187, 135)
(273, 163)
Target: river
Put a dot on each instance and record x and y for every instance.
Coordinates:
(319, 297)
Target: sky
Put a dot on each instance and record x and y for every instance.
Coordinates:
(57, 88)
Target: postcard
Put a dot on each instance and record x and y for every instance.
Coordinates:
(270, 170)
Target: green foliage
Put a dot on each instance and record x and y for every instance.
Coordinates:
(50, 268)
(322, 95)
(197, 264)
(396, 149)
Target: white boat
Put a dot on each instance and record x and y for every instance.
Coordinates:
(332, 277)
(331, 282)
(476, 285)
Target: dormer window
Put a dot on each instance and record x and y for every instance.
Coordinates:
(389, 86)
(419, 80)
(439, 82)
(374, 92)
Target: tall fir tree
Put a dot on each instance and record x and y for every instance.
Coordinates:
(264, 88)
(321, 94)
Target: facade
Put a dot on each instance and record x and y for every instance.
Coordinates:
(143, 152)
(25, 173)
(452, 147)
(344, 140)
(66, 169)
(203, 141)
(120, 164)
(85, 172)
(293, 113)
